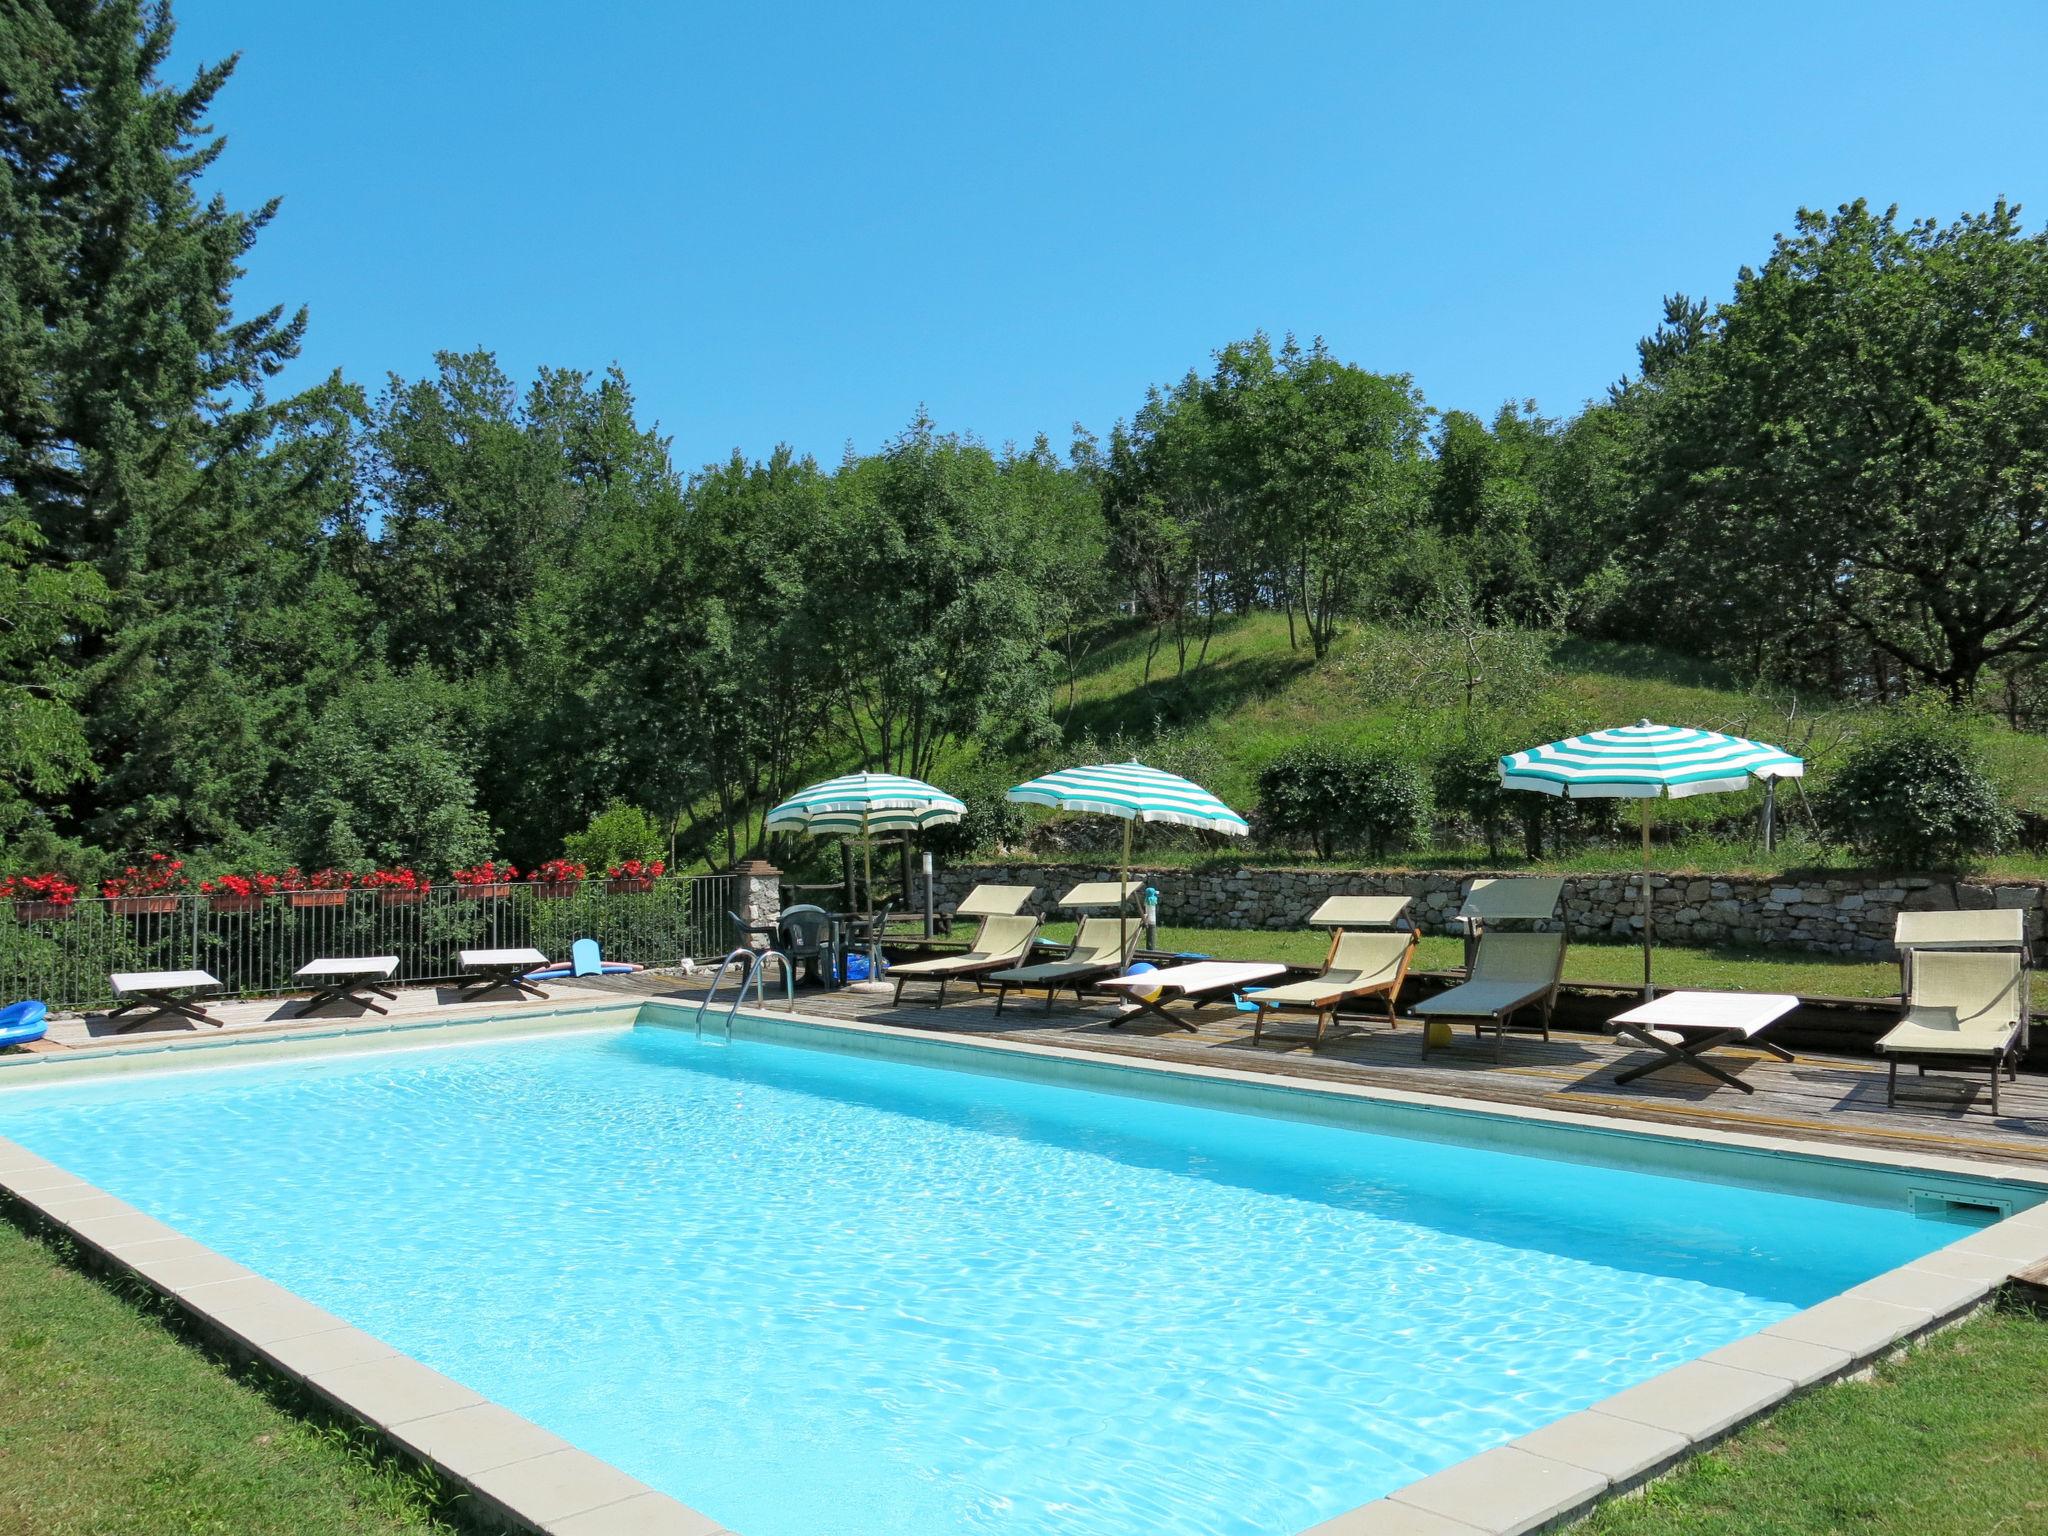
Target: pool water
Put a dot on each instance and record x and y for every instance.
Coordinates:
(816, 1294)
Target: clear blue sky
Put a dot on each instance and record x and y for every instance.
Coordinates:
(796, 223)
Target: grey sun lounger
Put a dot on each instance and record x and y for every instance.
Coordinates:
(347, 980)
(1103, 947)
(1964, 1009)
(1510, 972)
(1002, 942)
(158, 991)
(1360, 965)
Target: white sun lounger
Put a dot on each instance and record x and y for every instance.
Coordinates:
(1510, 972)
(1965, 1008)
(1003, 941)
(1681, 1027)
(158, 992)
(1193, 983)
(344, 980)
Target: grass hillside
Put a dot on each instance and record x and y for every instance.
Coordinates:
(1254, 695)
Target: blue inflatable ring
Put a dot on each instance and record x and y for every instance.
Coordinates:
(22, 1022)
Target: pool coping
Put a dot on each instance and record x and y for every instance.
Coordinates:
(533, 1481)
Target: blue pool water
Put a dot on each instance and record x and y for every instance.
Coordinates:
(823, 1295)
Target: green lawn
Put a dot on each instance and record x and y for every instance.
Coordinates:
(111, 1425)
(1950, 1440)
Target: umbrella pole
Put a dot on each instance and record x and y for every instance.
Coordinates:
(1649, 991)
(1123, 904)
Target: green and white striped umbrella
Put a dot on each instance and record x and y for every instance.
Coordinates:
(1646, 762)
(862, 804)
(866, 802)
(1135, 793)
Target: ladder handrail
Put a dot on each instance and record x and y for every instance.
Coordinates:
(750, 970)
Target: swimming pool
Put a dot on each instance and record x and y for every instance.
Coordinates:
(811, 1292)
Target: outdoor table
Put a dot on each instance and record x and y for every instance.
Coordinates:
(1683, 1026)
(345, 981)
(1187, 984)
(153, 990)
(490, 969)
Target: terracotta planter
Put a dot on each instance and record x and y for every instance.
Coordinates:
(496, 891)
(630, 885)
(554, 890)
(233, 903)
(142, 906)
(43, 911)
(316, 898)
(399, 896)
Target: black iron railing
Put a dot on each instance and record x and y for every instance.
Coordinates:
(254, 947)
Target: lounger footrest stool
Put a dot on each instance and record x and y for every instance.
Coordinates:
(348, 980)
(166, 994)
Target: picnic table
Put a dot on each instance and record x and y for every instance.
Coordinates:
(1681, 1027)
(156, 991)
(490, 969)
(1192, 983)
(344, 980)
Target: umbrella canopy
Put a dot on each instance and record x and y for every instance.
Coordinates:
(1133, 792)
(1646, 762)
(862, 804)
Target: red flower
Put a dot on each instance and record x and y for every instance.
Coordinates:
(165, 876)
(490, 872)
(557, 871)
(51, 887)
(401, 879)
(635, 869)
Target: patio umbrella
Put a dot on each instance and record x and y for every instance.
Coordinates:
(1643, 762)
(861, 804)
(1134, 793)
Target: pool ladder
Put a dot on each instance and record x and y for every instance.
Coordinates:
(749, 961)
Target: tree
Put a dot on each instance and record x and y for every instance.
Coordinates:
(43, 746)
(1861, 432)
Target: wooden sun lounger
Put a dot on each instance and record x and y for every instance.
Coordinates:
(1002, 942)
(1510, 972)
(1360, 965)
(347, 980)
(1197, 982)
(1964, 1009)
(1103, 947)
(157, 991)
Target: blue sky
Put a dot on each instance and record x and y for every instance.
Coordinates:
(796, 223)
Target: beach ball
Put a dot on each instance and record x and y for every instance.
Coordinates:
(1139, 970)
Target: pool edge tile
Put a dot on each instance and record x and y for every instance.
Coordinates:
(645, 1514)
(1621, 1450)
(556, 1485)
(482, 1437)
(388, 1392)
(1505, 1491)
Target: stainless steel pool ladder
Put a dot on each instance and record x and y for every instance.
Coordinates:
(749, 962)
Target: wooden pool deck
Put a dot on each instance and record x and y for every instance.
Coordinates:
(1826, 1098)
(1820, 1098)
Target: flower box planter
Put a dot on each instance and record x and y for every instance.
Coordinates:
(43, 911)
(142, 906)
(233, 903)
(497, 890)
(400, 897)
(316, 898)
(554, 890)
(629, 885)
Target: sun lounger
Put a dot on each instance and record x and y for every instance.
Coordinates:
(487, 970)
(1510, 972)
(1359, 912)
(1681, 1027)
(1003, 942)
(1964, 1008)
(1360, 965)
(1194, 983)
(1103, 947)
(157, 991)
(1493, 900)
(345, 980)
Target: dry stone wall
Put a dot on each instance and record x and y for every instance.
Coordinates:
(1851, 914)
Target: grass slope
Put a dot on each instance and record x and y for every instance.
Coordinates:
(110, 1424)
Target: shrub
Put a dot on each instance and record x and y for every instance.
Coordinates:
(617, 833)
(1915, 794)
(1344, 796)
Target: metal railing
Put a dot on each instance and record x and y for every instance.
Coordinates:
(254, 949)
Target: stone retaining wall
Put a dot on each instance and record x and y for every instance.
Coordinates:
(1835, 915)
